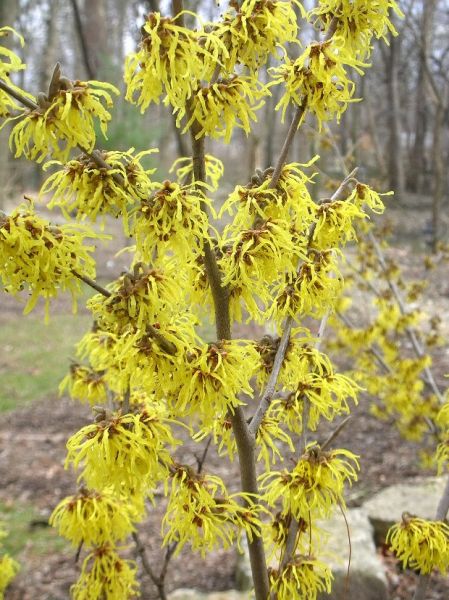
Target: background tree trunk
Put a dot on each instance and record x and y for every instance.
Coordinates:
(417, 167)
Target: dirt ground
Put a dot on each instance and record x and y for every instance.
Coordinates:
(32, 450)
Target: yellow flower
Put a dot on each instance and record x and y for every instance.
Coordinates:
(139, 298)
(223, 105)
(358, 21)
(420, 544)
(334, 224)
(257, 256)
(212, 376)
(174, 216)
(10, 63)
(302, 577)
(40, 257)
(268, 433)
(93, 517)
(327, 395)
(63, 120)
(301, 358)
(126, 452)
(317, 81)
(144, 363)
(106, 576)
(90, 191)
(201, 512)
(363, 195)
(256, 28)
(442, 455)
(85, 384)
(315, 484)
(171, 59)
(313, 290)
(8, 570)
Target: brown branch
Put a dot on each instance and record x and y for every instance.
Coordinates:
(268, 393)
(162, 342)
(335, 433)
(18, 96)
(157, 580)
(93, 284)
(299, 113)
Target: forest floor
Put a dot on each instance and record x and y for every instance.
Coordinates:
(36, 423)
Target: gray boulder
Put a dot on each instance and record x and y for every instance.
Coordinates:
(418, 496)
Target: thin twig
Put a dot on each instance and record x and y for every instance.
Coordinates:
(162, 342)
(200, 461)
(147, 567)
(18, 96)
(335, 433)
(268, 393)
(126, 398)
(346, 586)
(93, 284)
(299, 112)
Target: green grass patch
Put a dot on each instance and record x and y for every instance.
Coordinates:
(26, 528)
(35, 356)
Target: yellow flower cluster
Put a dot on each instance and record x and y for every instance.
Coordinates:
(327, 395)
(315, 485)
(174, 216)
(211, 378)
(81, 186)
(9, 63)
(289, 201)
(317, 81)
(106, 576)
(40, 258)
(63, 121)
(134, 358)
(380, 366)
(221, 106)
(420, 544)
(253, 258)
(202, 513)
(313, 290)
(172, 60)
(302, 577)
(358, 21)
(138, 298)
(127, 453)
(253, 29)
(85, 384)
(93, 518)
(8, 567)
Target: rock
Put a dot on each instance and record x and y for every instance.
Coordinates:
(367, 578)
(419, 496)
(186, 594)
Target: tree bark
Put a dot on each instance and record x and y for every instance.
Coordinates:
(395, 164)
(417, 168)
